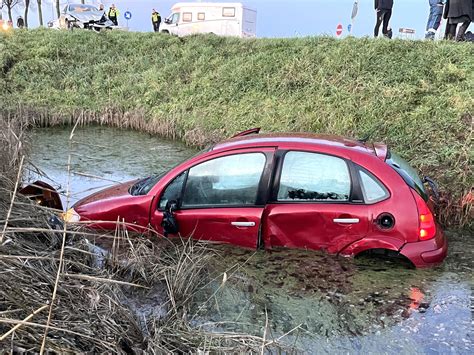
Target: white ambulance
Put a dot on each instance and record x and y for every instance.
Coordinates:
(223, 19)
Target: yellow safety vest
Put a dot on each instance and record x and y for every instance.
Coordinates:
(155, 17)
(113, 13)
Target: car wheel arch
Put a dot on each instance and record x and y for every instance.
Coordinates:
(371, 243)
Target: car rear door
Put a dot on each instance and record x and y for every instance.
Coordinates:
(221, 198)
(313, 204)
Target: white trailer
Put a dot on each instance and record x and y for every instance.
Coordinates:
(223, 19)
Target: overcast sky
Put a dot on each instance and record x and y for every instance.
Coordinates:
(280, 18)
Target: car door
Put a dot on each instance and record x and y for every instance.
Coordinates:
(174, 28)
(220, 199)
(313, 204)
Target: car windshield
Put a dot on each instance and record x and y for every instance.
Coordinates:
(82, 8)
(143, 186)
(408, 174)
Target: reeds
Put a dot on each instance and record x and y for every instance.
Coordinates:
(60, 293)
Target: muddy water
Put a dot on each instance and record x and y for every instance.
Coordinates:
(311, 301)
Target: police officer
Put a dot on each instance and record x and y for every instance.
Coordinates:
(155, 20)
(434, 19)
(113, 14)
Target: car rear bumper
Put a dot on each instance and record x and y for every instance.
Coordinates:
(427, 253)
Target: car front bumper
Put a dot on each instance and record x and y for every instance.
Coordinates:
(427, 253)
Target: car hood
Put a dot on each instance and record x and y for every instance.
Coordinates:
(111, 193)
(87, 16)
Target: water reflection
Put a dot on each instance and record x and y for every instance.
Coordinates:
(101, 157)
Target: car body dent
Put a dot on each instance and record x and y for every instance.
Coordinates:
(312, 225)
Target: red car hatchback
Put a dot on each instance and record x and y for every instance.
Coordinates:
(282, 190)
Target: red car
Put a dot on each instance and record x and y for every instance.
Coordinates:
(282, 190)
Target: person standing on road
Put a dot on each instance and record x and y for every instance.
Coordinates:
(113, 14)
(384, 13)
(434, 19)
(156, 20)
(458, 12)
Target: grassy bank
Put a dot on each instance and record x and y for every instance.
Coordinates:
(415, 96)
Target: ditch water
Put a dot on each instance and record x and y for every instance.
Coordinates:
(314, 302)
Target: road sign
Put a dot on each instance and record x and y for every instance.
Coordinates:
(409, 31)
(127, 15)
(339, 30)
(349, 27)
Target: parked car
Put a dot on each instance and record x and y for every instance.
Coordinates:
(282, 190)
(83, 16)
(222, 19)
(54, 24)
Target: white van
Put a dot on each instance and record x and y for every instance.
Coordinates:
(223, 19)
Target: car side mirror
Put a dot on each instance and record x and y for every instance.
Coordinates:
(169, 222)
(167, 20)
(171, 206)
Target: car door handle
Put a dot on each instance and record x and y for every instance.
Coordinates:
(346, 220)
(243, 224)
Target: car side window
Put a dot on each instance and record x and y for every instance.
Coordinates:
(314, 177)
(372, 189)
(172, 191)
(226, 181)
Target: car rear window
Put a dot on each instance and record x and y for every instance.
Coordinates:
(407, 173)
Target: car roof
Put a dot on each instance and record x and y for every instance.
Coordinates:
(294, 140)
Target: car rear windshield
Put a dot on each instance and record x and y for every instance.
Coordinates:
(407, 173)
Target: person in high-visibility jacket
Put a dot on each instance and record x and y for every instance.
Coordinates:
(113, 14)
(155, 20)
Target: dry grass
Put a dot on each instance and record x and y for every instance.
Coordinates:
(135, 298)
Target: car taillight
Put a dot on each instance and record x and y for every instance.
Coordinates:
(426, 221)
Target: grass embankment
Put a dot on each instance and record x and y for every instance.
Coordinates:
(415, 96)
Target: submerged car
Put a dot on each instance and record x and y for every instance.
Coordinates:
(282, 190)
(83, 16)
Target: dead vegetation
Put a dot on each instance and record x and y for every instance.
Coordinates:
(60, 293)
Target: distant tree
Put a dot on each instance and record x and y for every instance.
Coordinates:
(25, 17)
(40, 13)
(10, 4)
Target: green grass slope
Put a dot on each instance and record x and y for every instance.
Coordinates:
(416, 96)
